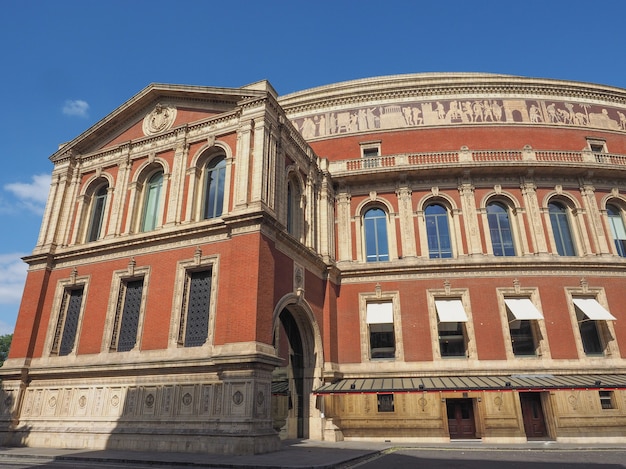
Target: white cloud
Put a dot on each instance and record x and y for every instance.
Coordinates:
(6, 328)
(76, 107)
(12, 277)
(33, 195)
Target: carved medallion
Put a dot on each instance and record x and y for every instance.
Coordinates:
(159, 120)
(238, 398)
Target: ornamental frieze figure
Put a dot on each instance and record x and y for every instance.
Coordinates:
(460, 111)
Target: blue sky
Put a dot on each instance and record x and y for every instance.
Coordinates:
(67, 64)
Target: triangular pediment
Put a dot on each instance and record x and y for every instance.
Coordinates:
(159, 108)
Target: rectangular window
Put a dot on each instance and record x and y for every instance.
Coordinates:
(607, 400)
(194, 323)
(127, 314)
(591, 316)
(451, 327)
(385, 403)
(67, 323)
(521, 315)
(370, 151)
(381, 331)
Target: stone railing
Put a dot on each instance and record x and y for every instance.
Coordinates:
(465, 155)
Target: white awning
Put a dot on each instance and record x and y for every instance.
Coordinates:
(380, 313)
(593, 310)
(523, 308)
(450, 311)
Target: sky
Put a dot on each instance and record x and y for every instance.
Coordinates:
(66, 64)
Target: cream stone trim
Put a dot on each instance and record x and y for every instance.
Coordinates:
(606, 329)
(594, 219)
(183, 268)
(516, 221)
(380, 296)
(470, 216)
(64, 285)
(533, 213)
(359, 228)
(131, 273)
(470, 338)
(454, 222)
(540, 333)
(407, 223)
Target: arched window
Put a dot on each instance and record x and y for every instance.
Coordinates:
(96, 217)
(618, 230)
(561, 229)
(376, 243)
(152, 202)
(438, 232)
(215, 175)
(294, 208)
(500, 230)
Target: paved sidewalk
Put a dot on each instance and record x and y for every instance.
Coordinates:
(293, 454)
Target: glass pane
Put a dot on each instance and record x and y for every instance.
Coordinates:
(97, 214)
(151, 203)
(617, 229)
(500, 230)
(591, 338)
(375, 227)
(382, 341)
(214, 191)
(452, 339)
(522, 339)
(438, 232)
(561, 230)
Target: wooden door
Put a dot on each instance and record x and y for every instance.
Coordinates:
(532, 413)
(461, 424)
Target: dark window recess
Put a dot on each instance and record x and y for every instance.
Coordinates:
(195, 320)
(606, 399)
(452, 339)
(522, 339)
(130, 315)
(385, 403)
(382, 341)
(67, 325)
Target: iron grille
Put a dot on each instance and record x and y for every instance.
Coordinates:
(71, 320)
(130, 316)
(199, 301)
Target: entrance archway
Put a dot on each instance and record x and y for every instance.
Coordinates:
(298, 342)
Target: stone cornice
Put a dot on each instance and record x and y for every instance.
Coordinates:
(442, 84)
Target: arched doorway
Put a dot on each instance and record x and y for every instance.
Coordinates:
(297, 343)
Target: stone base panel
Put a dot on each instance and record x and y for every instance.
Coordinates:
(229, 416)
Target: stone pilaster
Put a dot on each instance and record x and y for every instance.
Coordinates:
(537, 233)
(407, 226)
